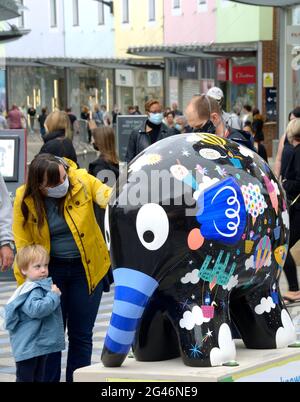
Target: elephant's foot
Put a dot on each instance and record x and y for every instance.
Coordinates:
(208, 344)
(262, 319)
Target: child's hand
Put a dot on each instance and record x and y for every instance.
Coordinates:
(55, 289)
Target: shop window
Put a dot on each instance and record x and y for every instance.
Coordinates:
(101, 20)
(75, 13)
(152, 10)
(176, 8)
(296, 15)
(125, 18)
(202, 5)
(53, 14)
(225, 3)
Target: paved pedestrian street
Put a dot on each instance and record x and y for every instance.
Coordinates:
(7, 364)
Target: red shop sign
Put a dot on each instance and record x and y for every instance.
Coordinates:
(243, 74)
(222, 69)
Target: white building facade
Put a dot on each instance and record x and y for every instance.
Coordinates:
(62, 62)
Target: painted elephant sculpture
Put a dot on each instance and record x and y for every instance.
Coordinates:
(198, 231)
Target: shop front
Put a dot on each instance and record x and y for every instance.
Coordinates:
(237, 77)
(57, 85)
(136, 86)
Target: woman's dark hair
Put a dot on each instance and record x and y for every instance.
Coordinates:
(43, 165)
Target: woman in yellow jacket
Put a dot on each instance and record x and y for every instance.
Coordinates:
(55, 209)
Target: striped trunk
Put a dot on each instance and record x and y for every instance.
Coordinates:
(132, 293)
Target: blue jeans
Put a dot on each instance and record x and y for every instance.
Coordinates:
(79, 313)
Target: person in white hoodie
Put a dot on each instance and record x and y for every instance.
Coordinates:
(33, 316)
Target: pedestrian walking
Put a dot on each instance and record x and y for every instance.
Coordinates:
(152, 131)
(33, 316)
(7, 245)
(41, 119)
(291, 184)
(31, 113)
(3, 122)
(15, 118)
(230, 119)
(285, 149)
(55, 209)
(57, 139)
(106, 166)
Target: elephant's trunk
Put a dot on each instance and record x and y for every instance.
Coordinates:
(132, 293)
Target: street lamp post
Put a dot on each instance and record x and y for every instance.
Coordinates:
(109, 4)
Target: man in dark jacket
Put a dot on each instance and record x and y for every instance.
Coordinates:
(204, 115)
(152, 131)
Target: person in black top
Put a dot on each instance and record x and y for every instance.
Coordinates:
(31, 112)
(152, 131)
(106, 169)
(41, 119)
(260, 148)
(291, 184)
(57, 138)
(285, 149)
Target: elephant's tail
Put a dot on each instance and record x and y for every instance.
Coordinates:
(132, 293)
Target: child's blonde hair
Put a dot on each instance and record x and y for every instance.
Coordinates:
(30, 254)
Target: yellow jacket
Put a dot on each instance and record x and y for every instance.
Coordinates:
(79, 215)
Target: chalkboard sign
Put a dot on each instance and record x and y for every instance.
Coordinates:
(125, 126)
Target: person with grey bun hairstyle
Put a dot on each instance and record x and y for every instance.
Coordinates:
(230, 119)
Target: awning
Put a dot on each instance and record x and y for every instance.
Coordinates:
(12, 34)
(8, 10)
(194, 50)
(108, 63)
(270, 3)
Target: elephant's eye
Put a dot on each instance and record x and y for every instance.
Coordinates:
(106, 228)
(152, 225)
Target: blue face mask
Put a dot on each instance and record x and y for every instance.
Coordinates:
(156, 118)
(178, 127)
(59, 191)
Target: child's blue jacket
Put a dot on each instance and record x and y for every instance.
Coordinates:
(33, 318)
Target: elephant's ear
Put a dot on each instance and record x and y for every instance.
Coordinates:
(132, 293)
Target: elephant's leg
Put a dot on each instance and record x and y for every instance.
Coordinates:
(132, 293)
(262, 318)
(156, 338)
(203, 327)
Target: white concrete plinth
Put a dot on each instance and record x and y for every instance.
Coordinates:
(280, 365)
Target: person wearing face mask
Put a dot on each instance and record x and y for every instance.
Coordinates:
(152, 131)
(55, 208)
(203, 113)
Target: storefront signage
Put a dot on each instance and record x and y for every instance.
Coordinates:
(124, 78)
(188, 69)
(268, 80)
(293, 34)
(124, 128)
(243, 75)
(222, 69)
(271, 104)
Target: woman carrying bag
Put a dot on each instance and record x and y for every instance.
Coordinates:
(291, 184)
